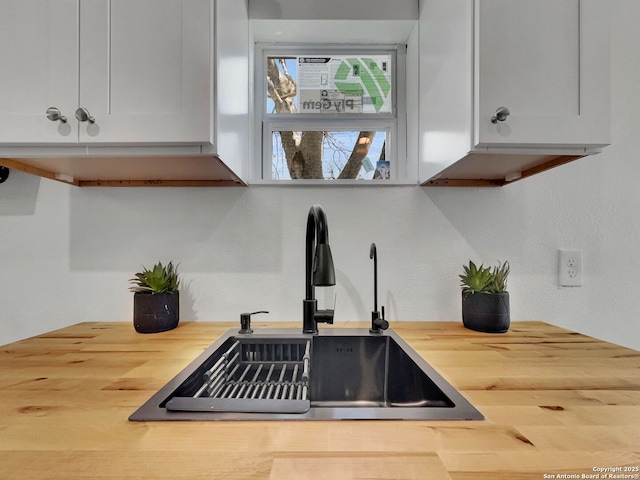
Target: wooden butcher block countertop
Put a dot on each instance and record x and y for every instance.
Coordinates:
(557, 404)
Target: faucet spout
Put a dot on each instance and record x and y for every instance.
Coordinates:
(319, 269)
(373, 254)
(378, 323)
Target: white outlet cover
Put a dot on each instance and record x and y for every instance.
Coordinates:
(570, 268)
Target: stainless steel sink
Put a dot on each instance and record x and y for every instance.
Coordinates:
(278, 374)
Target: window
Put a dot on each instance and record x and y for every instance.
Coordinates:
(331, 114)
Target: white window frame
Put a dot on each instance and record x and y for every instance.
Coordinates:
(394, 124)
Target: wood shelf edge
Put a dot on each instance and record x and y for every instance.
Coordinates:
(553, 162)
(160, 183)
(150, 182)
(23, 167)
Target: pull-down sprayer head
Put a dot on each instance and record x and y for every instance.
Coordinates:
(323, 272)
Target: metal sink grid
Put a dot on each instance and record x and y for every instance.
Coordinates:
(256, 374)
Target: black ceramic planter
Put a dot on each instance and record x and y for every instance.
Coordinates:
(155, 312)
(486, 312)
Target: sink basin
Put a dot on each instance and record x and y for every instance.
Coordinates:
(279, 374)
(369, 371)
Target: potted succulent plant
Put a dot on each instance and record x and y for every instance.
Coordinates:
(485, 300)
(156, 300)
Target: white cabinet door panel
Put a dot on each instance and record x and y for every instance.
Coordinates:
(536, 59)
(38, 69)
(146, 71)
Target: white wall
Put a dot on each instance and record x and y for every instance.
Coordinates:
(66, 253)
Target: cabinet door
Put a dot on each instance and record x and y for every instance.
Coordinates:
(547, 61)
(146, 71)
(38, 70)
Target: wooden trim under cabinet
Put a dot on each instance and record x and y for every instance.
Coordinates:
(469, 172)
(134, 171)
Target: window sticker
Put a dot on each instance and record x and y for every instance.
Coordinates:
(344, 84)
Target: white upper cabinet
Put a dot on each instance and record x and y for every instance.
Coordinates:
(140, 71)
(124, 92)
(546, 62)
(529, 59)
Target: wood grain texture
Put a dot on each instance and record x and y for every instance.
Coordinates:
(555, 402)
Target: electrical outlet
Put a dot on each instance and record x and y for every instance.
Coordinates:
(570, 268)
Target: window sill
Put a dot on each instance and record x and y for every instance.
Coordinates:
(334, 183)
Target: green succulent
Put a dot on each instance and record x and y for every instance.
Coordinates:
(160, 279)
(500, 274)
(485, 279)
(475, 279)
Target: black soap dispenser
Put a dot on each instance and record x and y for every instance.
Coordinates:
(245, 322)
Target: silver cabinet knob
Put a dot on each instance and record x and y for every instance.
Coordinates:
(54, 115)
(501, 115)
(83, 115)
